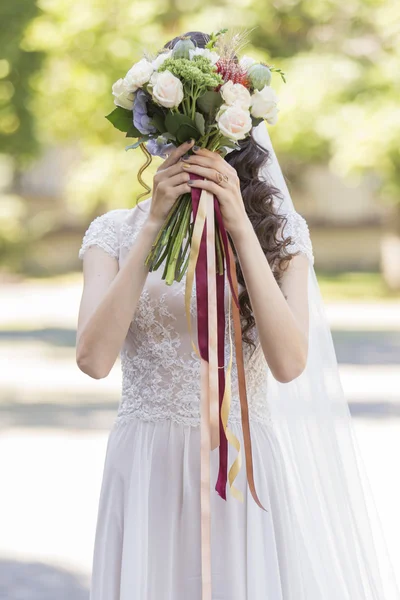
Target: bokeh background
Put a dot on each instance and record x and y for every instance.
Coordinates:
(62, 164)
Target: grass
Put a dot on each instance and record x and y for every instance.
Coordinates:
(346, 286)
(355, 287)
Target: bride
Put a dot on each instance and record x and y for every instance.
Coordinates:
(320, 537)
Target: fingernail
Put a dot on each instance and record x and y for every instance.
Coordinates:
(185, 157)
(195, 148)
(190, 182)
(186, 166)
(190, 141)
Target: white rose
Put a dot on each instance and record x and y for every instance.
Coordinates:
(236, 93)
(233, 121)
(246, 62)
(158, 61)
(212, 56)
(122, 96)
(264, 104)
(138, 75)
(167, 89)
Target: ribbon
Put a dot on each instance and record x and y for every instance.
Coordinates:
(215, 394)
(212, 322)
(141, 171)
(242, 389)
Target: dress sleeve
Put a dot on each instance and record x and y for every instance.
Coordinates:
(101, 232)
(297, 228)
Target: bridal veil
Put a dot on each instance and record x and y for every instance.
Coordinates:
(341, 533)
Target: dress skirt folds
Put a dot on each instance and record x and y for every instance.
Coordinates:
(148, 536)
(148, 531)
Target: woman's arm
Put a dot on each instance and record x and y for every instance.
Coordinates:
(110, 296)
(109, 300)
(282, 324)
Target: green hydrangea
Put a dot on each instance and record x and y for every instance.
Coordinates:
(203, 64)
(199, 71)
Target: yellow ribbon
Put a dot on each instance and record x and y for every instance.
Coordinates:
(225, 408)
(193, 256)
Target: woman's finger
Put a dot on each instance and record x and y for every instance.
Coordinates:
(206, 161)
(177, 153)
(184, 188)
(177, 179)
(164, 174)
(206, 184)
(211, 174)
(207, 153)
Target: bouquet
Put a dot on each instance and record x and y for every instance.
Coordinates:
(205, 94)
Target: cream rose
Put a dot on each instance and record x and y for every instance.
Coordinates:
(122, 96)
(236, 93)
(167, 89)
(138, 75)
(158, 61)
(234, 122)
(264, 105)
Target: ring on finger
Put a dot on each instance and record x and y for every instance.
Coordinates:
(222, 177)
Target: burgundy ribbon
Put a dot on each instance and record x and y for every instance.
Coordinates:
(202, 328)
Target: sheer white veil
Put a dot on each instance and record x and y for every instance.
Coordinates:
(340, 535)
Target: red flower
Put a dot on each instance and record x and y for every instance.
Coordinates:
(232, 71)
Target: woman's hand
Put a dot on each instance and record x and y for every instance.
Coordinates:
(170, 181)
(222, 180)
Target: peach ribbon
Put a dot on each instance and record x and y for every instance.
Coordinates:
(212, 323)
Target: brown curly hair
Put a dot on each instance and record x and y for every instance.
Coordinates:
(258, 197)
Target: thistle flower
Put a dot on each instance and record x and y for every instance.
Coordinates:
(230, 70)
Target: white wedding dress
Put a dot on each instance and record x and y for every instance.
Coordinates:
(148, 544)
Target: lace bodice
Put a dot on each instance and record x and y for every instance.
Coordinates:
(160, 369)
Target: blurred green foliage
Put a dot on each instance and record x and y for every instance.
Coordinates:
(355, 287)
(59, 59)
(17, 67)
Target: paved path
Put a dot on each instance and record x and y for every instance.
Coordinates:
(55, 422)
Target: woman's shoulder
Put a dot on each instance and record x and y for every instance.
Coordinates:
(104, 231)
(296, 227)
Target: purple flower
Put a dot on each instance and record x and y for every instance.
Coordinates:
(141, 119)
(159, 146)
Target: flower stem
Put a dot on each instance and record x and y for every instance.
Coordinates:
(177, 243)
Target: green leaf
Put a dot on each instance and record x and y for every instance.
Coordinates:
(227, 142)
(159, 122)
(210, 102)
(137, 144)
(185, 132)
(169, 136)
(174, 120)
(276, 70)
(121, 118)
(200, 123)
(133, 132)
(256, 121)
